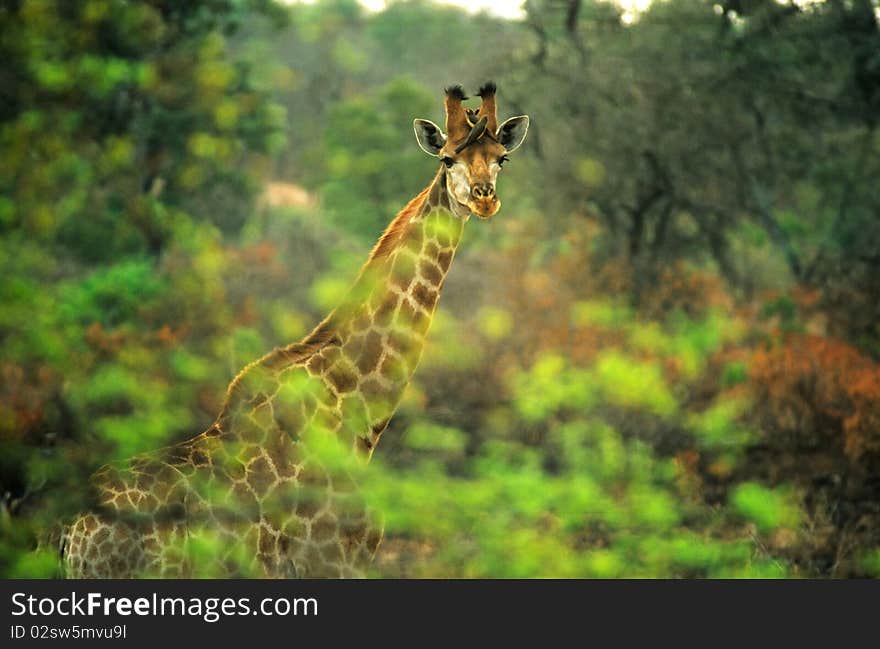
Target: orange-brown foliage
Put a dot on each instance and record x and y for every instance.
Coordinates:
(820, 388)
(23, 397)
(677, 287)
(103, 340)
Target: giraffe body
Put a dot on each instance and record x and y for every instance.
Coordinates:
(344, 379)
(257, 494)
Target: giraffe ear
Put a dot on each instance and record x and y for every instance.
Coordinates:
(429, 136)
(512, 132)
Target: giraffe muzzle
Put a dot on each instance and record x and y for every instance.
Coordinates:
(484, 203)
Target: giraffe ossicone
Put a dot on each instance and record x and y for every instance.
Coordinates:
(271, 488)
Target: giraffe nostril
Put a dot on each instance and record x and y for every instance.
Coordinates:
(483, 190)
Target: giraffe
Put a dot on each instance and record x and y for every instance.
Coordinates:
(271, 489)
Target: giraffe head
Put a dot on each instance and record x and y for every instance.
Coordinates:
(473, 149)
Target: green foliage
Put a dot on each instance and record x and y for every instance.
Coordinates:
(719, 426)
(424, 436)
(110, 295)
(373, 162)
(632, 384)
(615, 379)
(567, 486)
(769, 509)
(870, 562)
(604, 313)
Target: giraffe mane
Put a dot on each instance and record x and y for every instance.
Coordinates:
(393, 233)
(293, 354)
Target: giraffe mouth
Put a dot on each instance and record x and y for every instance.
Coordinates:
(485, 208)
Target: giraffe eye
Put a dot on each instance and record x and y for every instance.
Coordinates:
(502, 160)
(448, 162)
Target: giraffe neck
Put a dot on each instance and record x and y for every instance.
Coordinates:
(367, 349)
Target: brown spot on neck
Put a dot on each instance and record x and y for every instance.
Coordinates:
(425, 296)
(444, 259)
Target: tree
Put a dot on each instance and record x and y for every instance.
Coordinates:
(131, 134)
(700, 127)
